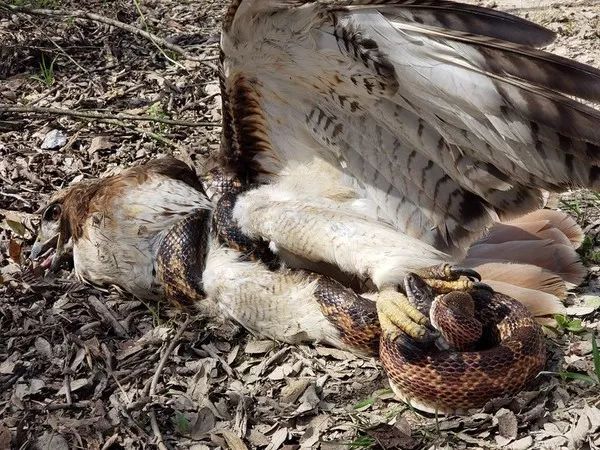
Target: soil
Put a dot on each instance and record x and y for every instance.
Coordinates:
(83, 368)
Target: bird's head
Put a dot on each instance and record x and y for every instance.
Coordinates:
(61, 224)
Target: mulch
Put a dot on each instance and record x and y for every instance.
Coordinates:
(83, 368)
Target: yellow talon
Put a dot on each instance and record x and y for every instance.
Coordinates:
(447, 286)
(397, 314)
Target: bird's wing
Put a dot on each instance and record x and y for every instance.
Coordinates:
(445, 115)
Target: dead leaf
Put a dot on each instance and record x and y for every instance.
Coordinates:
(75, 385)
(204, 423)
(7, 367)
(257, 438)
(580, 431)
(43, 347)
(51, 441)
(593, 414)
(580, 310)
(35, 386)
(107, 315)
(259, 347)
(507, 426)
(313, 432)
(5, 437)
(522, 444)
(341, 355)
(15, 251)
(555, 442)
(294, 389)
(309, 400)
(100, 143)
(389, 436)
(17, 227)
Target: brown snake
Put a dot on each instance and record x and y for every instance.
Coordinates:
(495, 346)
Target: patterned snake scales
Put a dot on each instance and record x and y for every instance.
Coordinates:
(490, 345)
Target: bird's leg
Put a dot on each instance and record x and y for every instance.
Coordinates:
(445, 278)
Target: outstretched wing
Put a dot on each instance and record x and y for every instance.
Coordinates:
(444, 115)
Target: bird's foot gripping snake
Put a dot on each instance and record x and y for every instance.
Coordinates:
(447, 342)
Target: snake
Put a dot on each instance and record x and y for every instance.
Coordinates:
(485, 345)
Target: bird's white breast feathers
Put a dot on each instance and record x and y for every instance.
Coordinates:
(279, 305)
(120, 247)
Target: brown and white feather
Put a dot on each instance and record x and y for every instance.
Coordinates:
(441, 119)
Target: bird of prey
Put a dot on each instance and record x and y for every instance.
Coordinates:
(392, 135)
(372, 139)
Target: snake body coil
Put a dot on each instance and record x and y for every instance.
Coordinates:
(504, 345)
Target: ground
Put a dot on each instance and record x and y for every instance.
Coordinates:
(81, 368)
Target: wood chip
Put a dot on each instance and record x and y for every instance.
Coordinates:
(233, 441)
(259, 347)
(108, 316)
(277, 439)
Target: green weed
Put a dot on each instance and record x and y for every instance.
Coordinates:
(46, 74)
(181, 423)
(568, 324)
(363, 441)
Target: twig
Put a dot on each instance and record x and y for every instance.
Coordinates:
(112, 22)
(153, 422)
(18, 109)
(67, 386)
(18, 197)
(166, 355)
(141, 14)
(57, 406)
(60, 49)
(111, 119)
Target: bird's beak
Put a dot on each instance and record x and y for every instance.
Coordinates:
(44, 249)
(42, 245)
(49, 251)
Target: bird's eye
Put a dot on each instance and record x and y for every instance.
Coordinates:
(52, 213)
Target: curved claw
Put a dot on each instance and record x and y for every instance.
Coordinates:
(485, 287)
(458, 271)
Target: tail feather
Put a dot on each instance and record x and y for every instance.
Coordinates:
(557, 219)
(557, 258)
(532, 259)
(502, 232)
(539, 303)
(524, 275)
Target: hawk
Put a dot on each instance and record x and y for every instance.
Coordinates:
(372, 139)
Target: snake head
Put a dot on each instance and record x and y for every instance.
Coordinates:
(419, 293)
(217, 181)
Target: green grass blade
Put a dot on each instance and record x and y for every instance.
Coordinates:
(596, 356)
(577, 376)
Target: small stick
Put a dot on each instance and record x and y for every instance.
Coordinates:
(113, 22)
(153, 422)
(94, 115)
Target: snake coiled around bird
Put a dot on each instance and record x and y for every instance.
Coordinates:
(490, 345)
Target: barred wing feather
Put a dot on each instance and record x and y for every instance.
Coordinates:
(447, 117)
